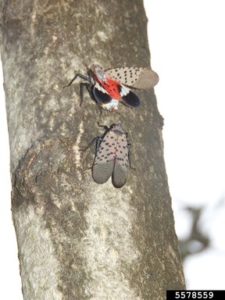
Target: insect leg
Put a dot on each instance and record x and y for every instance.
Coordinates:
(82, 86)
(97, 141)
(103, 126)
(91, 143)
(78, 75)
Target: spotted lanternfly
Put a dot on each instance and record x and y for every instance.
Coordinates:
(109, 87)
(112, 157)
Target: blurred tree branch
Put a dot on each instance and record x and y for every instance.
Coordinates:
(196, 241)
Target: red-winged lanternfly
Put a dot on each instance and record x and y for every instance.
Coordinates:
(109, 87)
(112, 156)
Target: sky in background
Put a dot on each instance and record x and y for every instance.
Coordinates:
(188, 52)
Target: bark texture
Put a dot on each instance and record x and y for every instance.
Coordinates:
(77, 239)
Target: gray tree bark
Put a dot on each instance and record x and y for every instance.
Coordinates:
(77, 239)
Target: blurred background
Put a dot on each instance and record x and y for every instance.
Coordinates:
(187, 47)
(188, 52)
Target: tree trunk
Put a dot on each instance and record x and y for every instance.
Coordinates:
(77, 239)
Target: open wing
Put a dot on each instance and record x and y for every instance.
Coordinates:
(138, 78)
(100, 94)
(128, 97)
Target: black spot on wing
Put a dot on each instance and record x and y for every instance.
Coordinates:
(100, 96)
(131, 99)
